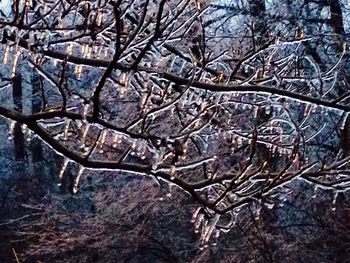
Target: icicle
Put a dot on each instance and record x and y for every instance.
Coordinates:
(95, 51)
(139, 148)
(314, 108)
(88, 52)
(198, 6)
(334, 203)
(77, 178)
(63, 168)
(78, 69)
(59, 22)
(169, 194)
(122, 91)
(133, 148)
(105, 53)
(257, 216)
(172, 172)
(14, 65)
(85, 111)
(117, 140)
(143, 153)
(46, 40)
(11, 128)
(143, 100)
(98, 52)
(239, 141)
(210, 228)
(198, 223)
(29, 135)
(83, 49)
(344, 120)
(66, 131)
(156, 159)
(102, 140)
(24, 128)
(69, 49)
(42, 35)
(83, 138)
(99, 18)
(195, 214)
(124, 80)
(6, 54)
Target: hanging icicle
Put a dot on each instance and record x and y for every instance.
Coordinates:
(102, 140)
(195, 214)
(63, 169)
(77, 179)
(77, 71)
(85, 111)
(69, 49)
(14, 65)
(125, 79)
(334, 203)
(209, 229)
(257, 214)
(143, 153)
(99, 17)
(343, 123)
(6, 54)
(29, 135)
(198, 222)
(172, 172)
(169, 194)
(24, 128)
(66, 131)
(83, 138)
(11, 129)
(133, 148)
(116, 141)
(84, 49)
(88, 52)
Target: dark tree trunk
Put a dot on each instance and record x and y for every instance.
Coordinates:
(22, 185)
(337, 23)
(257, 10)
(257, 7)
(36, 148)
(18, 134)
(36, 151)
(336, 19)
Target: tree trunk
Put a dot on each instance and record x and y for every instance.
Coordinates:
(257, 11)
(336, 19)
(18, 134)
(36, 148)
